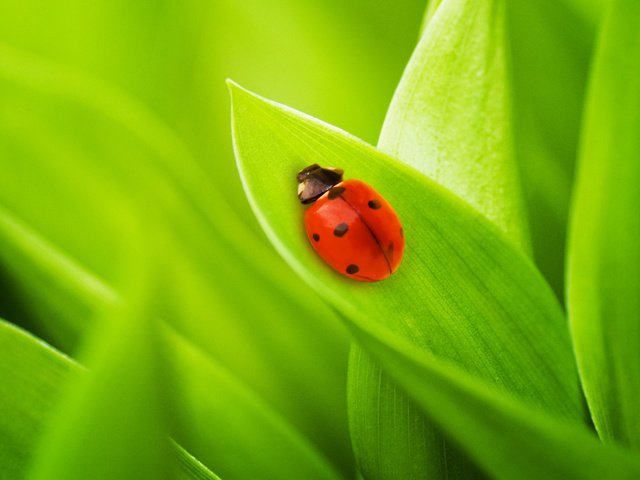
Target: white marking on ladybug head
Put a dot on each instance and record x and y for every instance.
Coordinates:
(314, 180)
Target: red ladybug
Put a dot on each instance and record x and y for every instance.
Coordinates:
(350, 225)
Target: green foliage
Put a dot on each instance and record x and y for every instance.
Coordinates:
(34, 378)
(192, 345)
(449, 119)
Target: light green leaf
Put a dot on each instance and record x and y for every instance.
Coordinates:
(604, 253)
(432, 6)
(189, 466)
(463, 292)
(35, 378)
(449, 119)
(481, 303)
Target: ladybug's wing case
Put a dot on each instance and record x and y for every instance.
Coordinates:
(357, 238)
(380, 217)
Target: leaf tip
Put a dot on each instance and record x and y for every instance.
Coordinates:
(231, 85)
(235, 90)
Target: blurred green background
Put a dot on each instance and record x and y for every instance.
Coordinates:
(339, 61)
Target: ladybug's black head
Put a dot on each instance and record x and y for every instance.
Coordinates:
(315, 180)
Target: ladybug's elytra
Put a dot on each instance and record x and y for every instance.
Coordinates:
(350, 225)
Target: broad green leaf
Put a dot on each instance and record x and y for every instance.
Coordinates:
(604, 253)
(446, 375)
(462, 291)
(35, 378)
(449, 119)
(95, 153)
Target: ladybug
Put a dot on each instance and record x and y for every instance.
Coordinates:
(350, 225)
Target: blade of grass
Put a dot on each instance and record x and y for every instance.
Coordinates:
(604, 253)
(449, 119)
(189, 466)
(33, 376)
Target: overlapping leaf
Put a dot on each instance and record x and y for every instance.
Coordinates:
(449, 119)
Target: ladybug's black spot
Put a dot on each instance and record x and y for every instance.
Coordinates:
(352, 269)
(335, 192)
(316, 237)
(374, 204)
(390, 249)
(341, 229)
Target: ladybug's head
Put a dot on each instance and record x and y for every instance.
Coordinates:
(315, 181)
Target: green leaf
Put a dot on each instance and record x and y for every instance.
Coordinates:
(463, 292)
(480, 301)
(189, 466)
(449, 119)
(508, 438)
(35, 378)
(604, 254)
